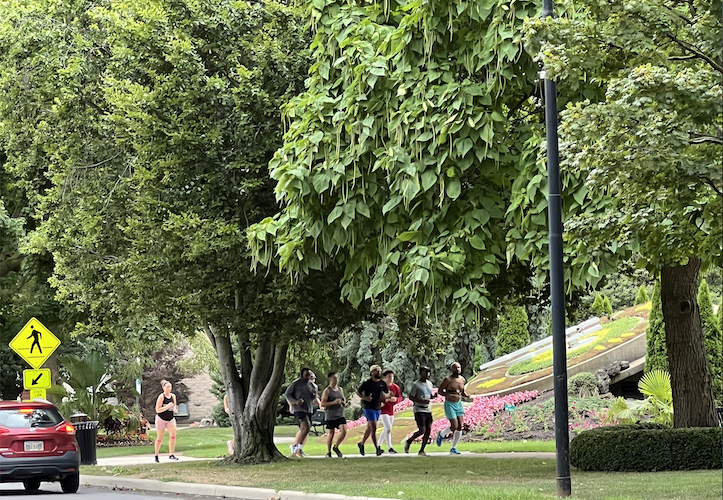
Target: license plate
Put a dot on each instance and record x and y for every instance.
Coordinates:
(33, 446)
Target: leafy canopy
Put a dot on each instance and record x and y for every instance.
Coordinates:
(649, 146)
(399, 158)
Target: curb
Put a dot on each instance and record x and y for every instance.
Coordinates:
(211, 490)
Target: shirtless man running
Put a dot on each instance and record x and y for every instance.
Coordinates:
(452, 388)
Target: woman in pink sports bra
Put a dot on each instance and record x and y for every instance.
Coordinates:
(166, 405)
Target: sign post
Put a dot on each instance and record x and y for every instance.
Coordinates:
(35, 344)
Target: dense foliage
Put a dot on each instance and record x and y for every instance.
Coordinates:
(581, 385)
(642, 296)
(647, 448)
(656, 357)
(400, 156)
(713, 339)
(513, 333)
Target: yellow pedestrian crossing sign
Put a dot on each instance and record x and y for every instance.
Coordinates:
(36, 379)
(34, 343)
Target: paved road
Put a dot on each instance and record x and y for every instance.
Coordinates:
(52, 491)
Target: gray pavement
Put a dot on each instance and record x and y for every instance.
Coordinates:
(187, 490)
(50, 491)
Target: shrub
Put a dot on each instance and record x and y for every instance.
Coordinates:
(642, 296)
(352, 413)
(607, 308)
(656, 357)
(582, 385)
(220, 416)
(598, 307)
(713, 341)
(513, 333)
(647, 448)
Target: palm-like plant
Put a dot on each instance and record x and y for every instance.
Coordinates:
(90, 378)
(658, 404)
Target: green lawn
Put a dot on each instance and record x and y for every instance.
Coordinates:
(211, 443)
(432, 478)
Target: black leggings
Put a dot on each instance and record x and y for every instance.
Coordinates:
(424, 423)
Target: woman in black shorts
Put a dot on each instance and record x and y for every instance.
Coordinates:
(332, 400)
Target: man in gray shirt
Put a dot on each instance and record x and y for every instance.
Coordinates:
(420, 395)
(300, 396)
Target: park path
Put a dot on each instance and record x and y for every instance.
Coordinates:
(149, 459)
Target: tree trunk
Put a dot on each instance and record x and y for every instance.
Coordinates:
(253, 402)
(693, 403)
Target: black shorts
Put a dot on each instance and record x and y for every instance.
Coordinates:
(302, 416)
(336, 423)
(423, 419)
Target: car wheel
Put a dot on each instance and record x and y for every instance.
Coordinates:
(70, 483)
(31, 484)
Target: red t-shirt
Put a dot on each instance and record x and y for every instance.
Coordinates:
(388, 406)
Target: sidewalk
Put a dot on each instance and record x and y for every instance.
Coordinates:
(210, 490)
(145, 460)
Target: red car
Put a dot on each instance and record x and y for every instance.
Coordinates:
(37, 444)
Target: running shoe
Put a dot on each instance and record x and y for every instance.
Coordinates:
(172, 457)
(291, 447)
(439, 438)
(454, 451)
(157, 461)
(361, 449)
(337, 451)
(407, 444)
(302, 454)
(328, 455)
(392, 451)
(422, 454)
(379, 451)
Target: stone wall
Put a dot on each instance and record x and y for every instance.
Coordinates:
(200, 399)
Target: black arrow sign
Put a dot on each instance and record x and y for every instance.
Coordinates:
(35, 380)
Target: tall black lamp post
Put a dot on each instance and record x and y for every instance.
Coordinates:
(557, 285)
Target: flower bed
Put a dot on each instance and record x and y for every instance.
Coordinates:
(483, 409)
(538, 421)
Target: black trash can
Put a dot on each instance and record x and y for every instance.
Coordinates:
(86, 433)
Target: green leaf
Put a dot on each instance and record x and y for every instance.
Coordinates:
(335, 214)
(454, 188)
(429, 179)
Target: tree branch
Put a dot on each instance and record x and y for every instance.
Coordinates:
(271, 391)
(11, 264)
(715, 64)
(712, 185)
(701, 139)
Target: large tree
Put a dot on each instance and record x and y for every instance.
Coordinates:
(167, 113)
(649, 150)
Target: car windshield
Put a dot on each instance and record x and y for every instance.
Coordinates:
(24, 418)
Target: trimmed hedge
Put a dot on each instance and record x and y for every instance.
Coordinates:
(647, 448)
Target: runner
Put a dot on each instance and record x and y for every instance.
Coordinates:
(299, 395)
(371, 392)
(452, 388)
(166, 406)
(332, 400)
(388, 409)
(421, 395)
